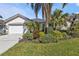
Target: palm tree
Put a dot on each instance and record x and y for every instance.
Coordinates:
(46, 12)
(33, 27)
(29, 25)
(55, 18)
(58, 19)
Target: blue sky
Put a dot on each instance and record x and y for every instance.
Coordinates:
(8, 9)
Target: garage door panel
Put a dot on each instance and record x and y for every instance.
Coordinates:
(15, 29)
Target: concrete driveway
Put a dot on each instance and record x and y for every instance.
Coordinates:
(8, 41)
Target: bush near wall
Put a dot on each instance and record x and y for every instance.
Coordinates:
(27, 36)
(53, 36)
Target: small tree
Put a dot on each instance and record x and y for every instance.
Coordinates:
(29, 25)
(33, 27)
(36, 30)
(58, 19)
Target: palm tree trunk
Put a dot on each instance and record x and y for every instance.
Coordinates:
(46, 28)
(48, 7)
(46, 25)
(46, 18)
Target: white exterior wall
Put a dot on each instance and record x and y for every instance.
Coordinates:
(17, 20)
(18, 29)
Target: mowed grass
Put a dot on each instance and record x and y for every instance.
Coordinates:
(62, 48)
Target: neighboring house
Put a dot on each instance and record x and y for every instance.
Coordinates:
(2, 25)
(71, 18)
(66, 27)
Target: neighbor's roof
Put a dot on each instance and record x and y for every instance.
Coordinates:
(73, 16)
(2, 22)
(38, 20)
(15, 16)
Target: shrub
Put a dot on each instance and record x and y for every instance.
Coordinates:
(35, 34)
(50, 29)
(27, 36)
(57, 35)
(75, 33)
(75, 29)
(47, 38)
(65, 35)
(54, 36)
(41, 34)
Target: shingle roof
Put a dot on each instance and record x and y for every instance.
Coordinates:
(15, 16)
(73, 16)
(25, 18)
(38, 20)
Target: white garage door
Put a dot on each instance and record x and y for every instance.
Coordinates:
(15, 29)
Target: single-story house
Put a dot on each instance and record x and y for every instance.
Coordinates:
(15, 24)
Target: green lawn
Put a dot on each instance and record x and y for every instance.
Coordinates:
(63, 48)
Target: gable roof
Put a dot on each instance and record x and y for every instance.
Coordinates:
(15, 16)
(25, 18)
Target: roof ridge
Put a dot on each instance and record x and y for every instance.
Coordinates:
(15, 16)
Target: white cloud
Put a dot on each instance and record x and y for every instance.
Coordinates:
(77, 4)
(77, 12)
(8, 12)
